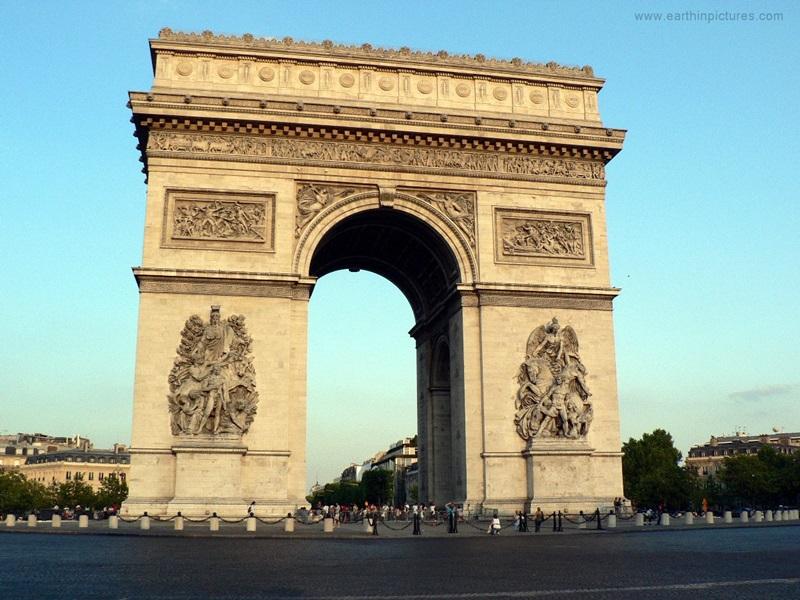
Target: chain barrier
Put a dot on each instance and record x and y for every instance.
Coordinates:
(406, 526)
(301, 522)
(266, 522)
(568, 520)
(622, 518)
(233, 520)
(203, 520)
(124, 520)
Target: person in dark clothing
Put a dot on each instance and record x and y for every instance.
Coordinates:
(417, 520)
(538, 519)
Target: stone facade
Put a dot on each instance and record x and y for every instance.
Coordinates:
(475, 185)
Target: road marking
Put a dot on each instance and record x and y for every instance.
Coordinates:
(705, 585)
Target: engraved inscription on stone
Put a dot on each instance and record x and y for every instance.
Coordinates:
(219, 220)
(553, 399)
(201, 219)
(530, 236)
(279, 150)
(212, 388)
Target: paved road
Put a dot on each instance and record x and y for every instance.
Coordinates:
(722, 563)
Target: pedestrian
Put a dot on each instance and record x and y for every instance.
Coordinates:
(494, 527)
(417, 519)
(375, 514)
(538, 519)
(523, 521)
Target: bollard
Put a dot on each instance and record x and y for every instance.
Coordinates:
(560, 522)
(288, 524)
(599, 520)
(213, 522)
(179, 522)
(795, 515)
(113, 522)
(727, 517)
(11, 520)
(581, 521)
(251, 524)
(639, 521)
(710, 517)
(83, 521)
(665, 519)
(778, 515)
(327, 525)
(744, 517)
(555, 522)
(367, 526)
(55, 521)
(688, 518)
(144, 523)
(32, 520)
(612, 521)
(758, 517)
(768, 515)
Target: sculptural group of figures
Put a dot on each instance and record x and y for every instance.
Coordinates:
(552, 399)
(212, 385)
(554, 238)
(221, 220)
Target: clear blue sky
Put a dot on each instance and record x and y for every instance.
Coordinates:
(702, 210)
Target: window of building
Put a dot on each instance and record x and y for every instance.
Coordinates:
(122, 476)
(101, 476)
(91, 475)
(69, 475)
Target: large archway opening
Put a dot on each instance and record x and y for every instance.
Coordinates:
(414, 257)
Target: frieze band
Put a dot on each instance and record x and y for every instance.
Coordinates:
(486, 164)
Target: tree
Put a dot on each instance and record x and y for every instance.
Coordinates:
(19, 495)
(378, 486)
(74, 493)
(113, 491)
(651, 473)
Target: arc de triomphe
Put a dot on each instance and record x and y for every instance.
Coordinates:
(475, 185)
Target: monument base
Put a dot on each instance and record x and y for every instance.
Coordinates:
(564, 475)
(207, 475)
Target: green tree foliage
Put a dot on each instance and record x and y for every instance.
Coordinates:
(338, 493)
(651, 473)
(18, 494)
(74, 493)
(765, 479)
(113, 492)
(378, 486)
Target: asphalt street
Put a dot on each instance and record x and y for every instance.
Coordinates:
(705, 563)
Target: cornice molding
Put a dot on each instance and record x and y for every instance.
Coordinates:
(330, 51)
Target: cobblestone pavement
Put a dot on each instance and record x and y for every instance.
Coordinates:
(721, 562)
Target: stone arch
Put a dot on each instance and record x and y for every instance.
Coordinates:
(407, 203)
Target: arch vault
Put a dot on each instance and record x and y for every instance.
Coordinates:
(476, 186)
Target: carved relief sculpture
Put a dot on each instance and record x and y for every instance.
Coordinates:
(553, 398)
(538, 237)
(219, 220)
(313, 197)
(387, 156)
(212, 383)
(458, 206)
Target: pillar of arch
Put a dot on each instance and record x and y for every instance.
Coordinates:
(475, 186)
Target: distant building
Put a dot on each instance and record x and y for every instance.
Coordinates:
(90, 466)
(708, 458)
(16, 448)
(354, 472)
(398, 458)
